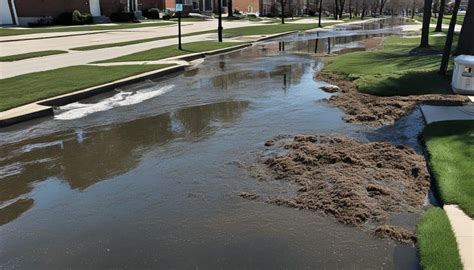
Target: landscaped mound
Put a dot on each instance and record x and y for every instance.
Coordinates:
(358, 183)
(376, 110)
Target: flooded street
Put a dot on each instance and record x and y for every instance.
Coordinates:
(149, 176)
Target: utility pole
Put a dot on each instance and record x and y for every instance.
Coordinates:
(219, 27)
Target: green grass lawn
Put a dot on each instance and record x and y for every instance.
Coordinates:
(92, 27)
(436, 242)
(17, 57)
(172, 50)
(131, 42)
(233, 32)
(459, 19)
(450, 146)
(446, 19)
(392, 71)
(32, 87)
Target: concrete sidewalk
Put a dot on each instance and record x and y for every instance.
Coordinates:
(463, 227)
(111, 36)
(73, 58)
(68, 33)
(444, 113)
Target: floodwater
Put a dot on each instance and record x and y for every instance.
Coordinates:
(149, 176)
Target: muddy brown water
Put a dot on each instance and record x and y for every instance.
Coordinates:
(149, 176)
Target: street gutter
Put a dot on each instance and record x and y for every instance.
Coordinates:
(45, 107)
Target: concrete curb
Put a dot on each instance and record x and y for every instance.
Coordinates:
(93, 91)
(24, 113)
(276, 35)
(45, 107)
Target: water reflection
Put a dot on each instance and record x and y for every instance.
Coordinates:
(90, 156)
(169, 180)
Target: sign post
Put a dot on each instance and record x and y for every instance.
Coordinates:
(219, 27)
(179, 8)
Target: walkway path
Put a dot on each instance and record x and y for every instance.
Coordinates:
(444, 113)
(463, 225)
(73, 58)
(109, 36)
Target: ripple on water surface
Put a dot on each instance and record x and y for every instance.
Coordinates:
(149, 176)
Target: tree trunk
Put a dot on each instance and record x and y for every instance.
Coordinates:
(350, 9)
(290, 8)
(413, 10)
(439, 23)
(230, 9)
(341, 8)
(449, 39)
(382, 4)
(282, 4)
(466, 37)
(336, 9)
(425, 31)
(362, 13)
(320, 12)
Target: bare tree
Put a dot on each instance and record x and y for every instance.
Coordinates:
(342, 3)
(336, 9)
(282, 6)
(382, 5)
(350, 9)
(449, 39)
(425, 30)
(364, 9)
(320, 13)
(439, 23)
(466, 37)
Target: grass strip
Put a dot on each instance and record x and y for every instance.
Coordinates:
(48, 29)
(132, 42)
(450, 146)
(23, 89)
(17, 57)
(172, 51)
(436, 242)
(446, 19)
(232, 32)
(393, 71)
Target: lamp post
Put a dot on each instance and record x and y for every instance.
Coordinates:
(219, 27)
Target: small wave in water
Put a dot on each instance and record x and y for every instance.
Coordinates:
(78, 110)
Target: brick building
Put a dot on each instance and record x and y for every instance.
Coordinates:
(21, 12)
(247, 6)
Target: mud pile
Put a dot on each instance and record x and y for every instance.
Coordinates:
(375, 110)
(360, 184)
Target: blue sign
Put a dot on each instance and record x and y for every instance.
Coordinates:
(179, 7)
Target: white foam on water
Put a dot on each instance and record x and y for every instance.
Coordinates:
(10, 170)
(30, 147)
(78, 110)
